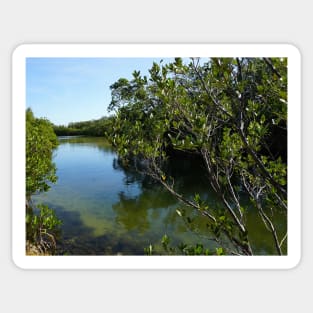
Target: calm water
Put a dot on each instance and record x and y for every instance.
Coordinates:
(107, 209)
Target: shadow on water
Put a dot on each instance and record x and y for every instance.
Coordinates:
(152, 213)
(143, 211)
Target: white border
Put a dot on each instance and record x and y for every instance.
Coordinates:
(155, 50)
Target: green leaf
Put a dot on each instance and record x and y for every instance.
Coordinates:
(219, 251)
(165, 240)
(197, 198)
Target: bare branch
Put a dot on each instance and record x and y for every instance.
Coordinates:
(272, 228)
(271, 66)
(239, 70)
(284, 238)
(256, 194)
(234, 196)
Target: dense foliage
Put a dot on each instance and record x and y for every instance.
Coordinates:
(85, 128)
(40, 142)
(41, 222)
(232, 114)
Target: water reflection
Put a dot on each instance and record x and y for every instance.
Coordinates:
(131, 214)
(109, 208)
(142, 211)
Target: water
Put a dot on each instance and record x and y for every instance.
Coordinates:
(107, 209)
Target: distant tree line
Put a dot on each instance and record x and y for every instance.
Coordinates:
(85, 128)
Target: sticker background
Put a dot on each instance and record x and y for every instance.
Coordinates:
(162, 21)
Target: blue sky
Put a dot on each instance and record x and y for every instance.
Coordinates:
(76, 89)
